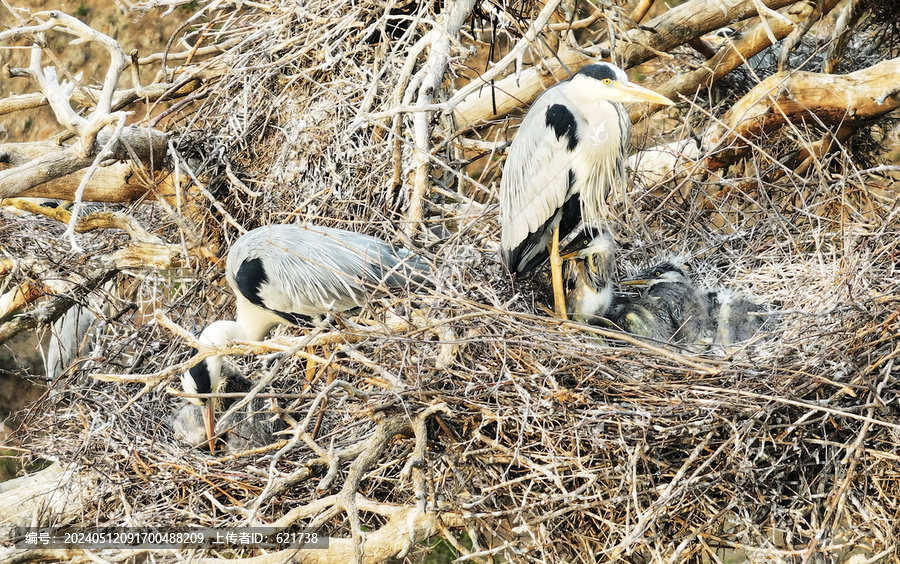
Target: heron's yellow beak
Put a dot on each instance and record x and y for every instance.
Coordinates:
(568, 255)
(636, 282)
(631, 92)
(209, 419)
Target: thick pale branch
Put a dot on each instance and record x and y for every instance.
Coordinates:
(189, 81)
(827, 99)
(64, 22)
(57, 94)
(733, 54)
(148, 144)
(456, 14)
(675, 27)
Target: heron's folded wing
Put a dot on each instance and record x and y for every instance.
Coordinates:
(536, 178)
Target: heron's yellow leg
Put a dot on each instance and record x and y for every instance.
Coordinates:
(559, 296)
(310, 365)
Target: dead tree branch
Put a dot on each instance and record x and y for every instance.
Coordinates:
(47, 314)
(734, 54)
(455, 16)
(95, 144)
(676, 27)
(825, 99)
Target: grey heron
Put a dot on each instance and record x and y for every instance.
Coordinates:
(70, 335)
(567, 156)
(292, 273)
(680, 303)
(671, 308)
(592, 270)
(592, 299)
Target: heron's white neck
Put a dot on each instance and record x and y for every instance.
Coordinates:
(254, 321)
(222, 332)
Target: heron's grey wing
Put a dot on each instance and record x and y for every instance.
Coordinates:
(536, 180)
(309, 270)
(387, 264)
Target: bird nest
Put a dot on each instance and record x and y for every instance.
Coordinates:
(464, 413)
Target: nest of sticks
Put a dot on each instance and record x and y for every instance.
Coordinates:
(464, 412)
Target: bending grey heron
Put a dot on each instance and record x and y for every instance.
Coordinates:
(567, 156)
(292, 273)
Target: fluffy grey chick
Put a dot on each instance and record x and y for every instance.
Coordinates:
(670, 309)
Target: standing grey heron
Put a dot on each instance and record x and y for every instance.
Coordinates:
(292, 273)
(567, 156)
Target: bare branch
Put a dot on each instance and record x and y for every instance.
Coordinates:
(148, 144)
(830, 99)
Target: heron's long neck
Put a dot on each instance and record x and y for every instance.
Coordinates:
(254, 321)
(222, 332)
(217, 334)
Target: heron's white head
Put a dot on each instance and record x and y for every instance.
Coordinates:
(605, 81)
(205, 377)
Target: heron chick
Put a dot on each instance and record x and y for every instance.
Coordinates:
(567, 156)
(679, 311)
(592, 271)
(737, 317)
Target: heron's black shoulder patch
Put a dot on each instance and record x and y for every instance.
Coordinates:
(200, 375)
(562, 122)
(599, 71)
(250, 277)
